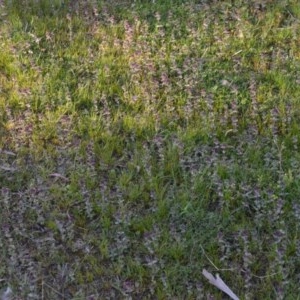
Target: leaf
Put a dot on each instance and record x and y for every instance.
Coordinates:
(6, 168)
(220, 284)
(8, 152)
(7, 294)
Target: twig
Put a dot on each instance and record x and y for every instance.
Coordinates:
(261, 277)
(218, 269)
(54, 290)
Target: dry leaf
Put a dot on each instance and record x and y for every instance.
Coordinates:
(220, 284)
(7, 294)
(8, 152)
(6, 168)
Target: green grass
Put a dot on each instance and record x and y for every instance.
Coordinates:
(141, 142)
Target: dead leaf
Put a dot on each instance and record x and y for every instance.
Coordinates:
(7, 294)
(220, 284)
(8, 152)
(6, 168)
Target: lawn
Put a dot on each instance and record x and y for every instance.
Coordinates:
(144, 141)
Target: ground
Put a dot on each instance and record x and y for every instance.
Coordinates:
(141, 142)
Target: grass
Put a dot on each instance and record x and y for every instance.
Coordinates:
(142, 142)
